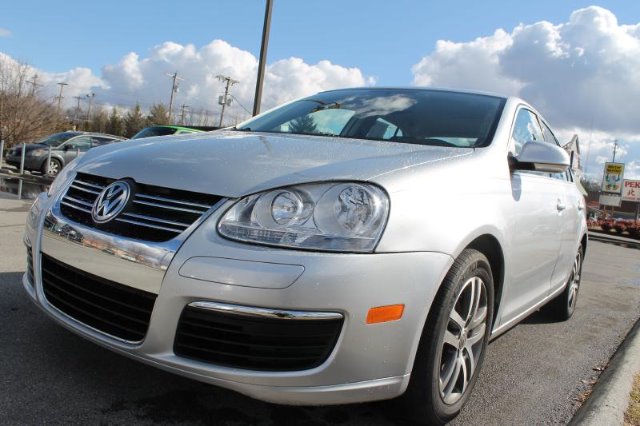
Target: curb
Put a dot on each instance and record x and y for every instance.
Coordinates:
(610, 398)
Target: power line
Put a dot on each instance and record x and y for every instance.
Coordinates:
(241, 106)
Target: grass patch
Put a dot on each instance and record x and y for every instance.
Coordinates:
(632, 416)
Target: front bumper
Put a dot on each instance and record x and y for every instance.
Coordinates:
(368, 362)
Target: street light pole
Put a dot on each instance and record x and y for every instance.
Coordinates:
(90, 96)
(266, 28)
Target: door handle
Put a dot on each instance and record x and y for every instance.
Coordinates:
(560, 206)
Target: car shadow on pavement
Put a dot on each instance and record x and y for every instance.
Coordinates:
(542, 316)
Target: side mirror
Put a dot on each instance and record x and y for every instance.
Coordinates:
(541, 157)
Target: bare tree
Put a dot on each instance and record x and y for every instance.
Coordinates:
(24, 115)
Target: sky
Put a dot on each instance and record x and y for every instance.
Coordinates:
(577, 61)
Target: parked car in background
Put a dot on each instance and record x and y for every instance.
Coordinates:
(354, 245)
(65, 146)
(164, 131)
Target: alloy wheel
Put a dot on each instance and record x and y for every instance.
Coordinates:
(54, 168)
(463, 340)
(574, 282)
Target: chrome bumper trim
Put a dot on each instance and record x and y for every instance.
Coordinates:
(266, 313)
(124, 260)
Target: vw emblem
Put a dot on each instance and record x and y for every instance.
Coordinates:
(111, 201)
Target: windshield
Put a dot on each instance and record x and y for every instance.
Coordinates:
(154, 131)
(58, 138)
(426, 117)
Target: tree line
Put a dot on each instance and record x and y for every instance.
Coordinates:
(27, 116)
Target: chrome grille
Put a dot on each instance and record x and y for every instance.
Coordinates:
(154, 213)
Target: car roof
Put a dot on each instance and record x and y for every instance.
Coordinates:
(421, 88)
(99, 134)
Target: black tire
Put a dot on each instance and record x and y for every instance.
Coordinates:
(426, 402)
(563, 306)
(54, 167)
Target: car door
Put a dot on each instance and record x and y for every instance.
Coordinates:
(570, 218)
(533, 226)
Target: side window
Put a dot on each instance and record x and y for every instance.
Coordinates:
(550, 138)
(526, 129)
(82, 143)
(548, 134)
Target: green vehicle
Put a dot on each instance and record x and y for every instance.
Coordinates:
(167, 130)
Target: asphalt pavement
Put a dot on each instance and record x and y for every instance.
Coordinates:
(537, 373)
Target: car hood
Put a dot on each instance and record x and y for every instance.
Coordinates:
(234, 164)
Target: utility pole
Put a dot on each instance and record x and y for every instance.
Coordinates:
(59, 97)
(77, 111)
(225, 100)
(34, 84)
(174, 89)
(182, 110)
(615, 148)
(266, 28)
(90, 96)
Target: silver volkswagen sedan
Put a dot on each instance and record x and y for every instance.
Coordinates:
(355, 245)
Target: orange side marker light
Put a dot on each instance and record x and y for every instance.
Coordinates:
(385, 313)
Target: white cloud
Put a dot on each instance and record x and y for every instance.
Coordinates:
(4, 32)
(146, 79)
(583, 75)
(583, 71)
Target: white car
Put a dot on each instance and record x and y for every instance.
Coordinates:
(355, 245)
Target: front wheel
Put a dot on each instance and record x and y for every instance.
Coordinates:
(453, 342)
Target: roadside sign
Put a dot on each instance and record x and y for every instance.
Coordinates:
(631, 190)
(612, 200)
(612, 181)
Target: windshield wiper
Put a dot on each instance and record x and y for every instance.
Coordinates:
(334, 105)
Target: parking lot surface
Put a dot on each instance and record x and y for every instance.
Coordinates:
(535, 373)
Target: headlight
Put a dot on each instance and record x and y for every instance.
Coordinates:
(63, 177)
(342, 216)
(37, 152)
